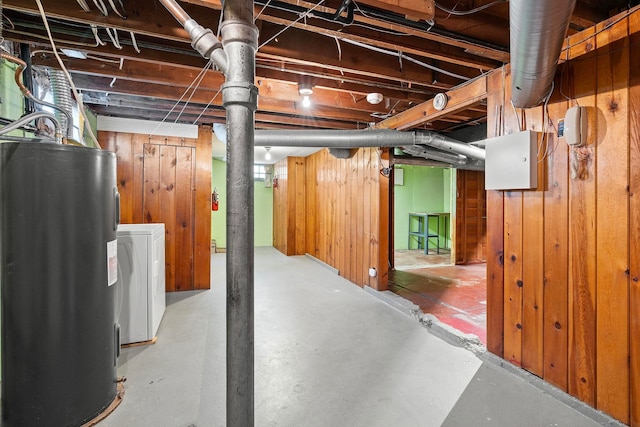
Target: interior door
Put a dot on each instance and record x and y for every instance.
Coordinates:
(471, 218)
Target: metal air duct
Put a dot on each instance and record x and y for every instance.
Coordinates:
(61, 90)
(537, 31)
(430, 145)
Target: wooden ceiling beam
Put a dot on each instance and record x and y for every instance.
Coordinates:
(292, 47)
(205, 96)
(350, 84)
(143, 16)
(184, 77)
(163, 26)
(478, 48)
(412, 9)
(354, 60)
(459, 98)
(407, 44)
(192, 114)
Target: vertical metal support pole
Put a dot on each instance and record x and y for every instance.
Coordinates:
(240, 96)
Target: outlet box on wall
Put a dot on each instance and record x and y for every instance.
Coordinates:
(512, 162)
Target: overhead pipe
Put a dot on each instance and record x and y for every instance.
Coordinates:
(202, 39)
(21, 65)
(26, 119)
(334, 138)
(448, 150)
(235, 57)
(457, 161)
(436, 140)
(537, 31)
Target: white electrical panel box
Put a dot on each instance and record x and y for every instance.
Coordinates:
(141, 279)
(512, 162)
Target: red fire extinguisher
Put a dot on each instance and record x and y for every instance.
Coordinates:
(214, 200)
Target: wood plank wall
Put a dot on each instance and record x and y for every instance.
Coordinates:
(563, 292)
(336, 210)
(168, 180)
(289, 207)
(470, 236)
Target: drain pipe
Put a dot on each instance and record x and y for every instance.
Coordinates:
(236, 59)
(202, 39)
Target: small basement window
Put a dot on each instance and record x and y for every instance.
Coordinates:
(259, 172)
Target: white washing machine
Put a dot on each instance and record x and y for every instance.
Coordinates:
(141, 279)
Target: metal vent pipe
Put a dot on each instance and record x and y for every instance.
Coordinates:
(537, 31)
(61, 90)
(370, 138)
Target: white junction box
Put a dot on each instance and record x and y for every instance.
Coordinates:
(512, 161)
(140, 299)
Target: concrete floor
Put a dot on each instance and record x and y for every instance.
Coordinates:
(328, 353)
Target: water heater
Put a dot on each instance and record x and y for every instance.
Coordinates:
(59, 211)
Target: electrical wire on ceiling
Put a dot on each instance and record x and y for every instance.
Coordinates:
(408, 58)
(207, 106)
(115, 9)
(113, 35)
(562, 73)
(101, 7)
(262, 10)
(603, 28)
(94, 30)
(89, 56)
(66, 73)
(83, 4)
(134, 43)
(302, 15)
(262, 63)
(339, 48)
(470, 11)
(195, 84)
(545, 127)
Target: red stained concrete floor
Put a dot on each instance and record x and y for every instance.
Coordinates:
(456, 294)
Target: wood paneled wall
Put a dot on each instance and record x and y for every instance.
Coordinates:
(336, 210)
(289, 207)
(470, 235)
(563, 297)
(168, 180)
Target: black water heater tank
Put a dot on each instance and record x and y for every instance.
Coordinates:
(59, 211)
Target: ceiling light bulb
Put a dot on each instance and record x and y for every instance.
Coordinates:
(306, 101)
(268, 155)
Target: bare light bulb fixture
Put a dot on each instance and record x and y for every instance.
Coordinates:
(305, 91)
(268, 155)
(374, 98)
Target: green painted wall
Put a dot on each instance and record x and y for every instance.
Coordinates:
(11, 100)
(92, 121)
(425, 189)
(263, 205)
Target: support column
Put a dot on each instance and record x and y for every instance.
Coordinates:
(239, 37)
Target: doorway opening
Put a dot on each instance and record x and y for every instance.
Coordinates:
(439, 240)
